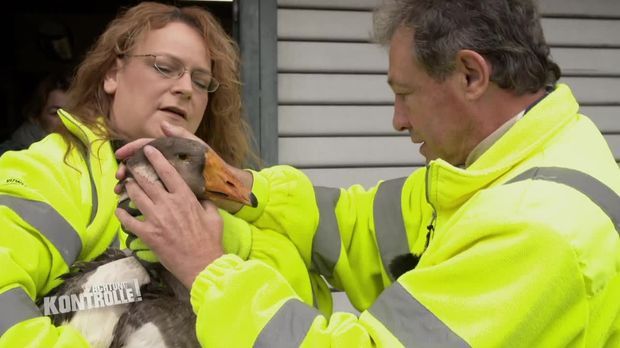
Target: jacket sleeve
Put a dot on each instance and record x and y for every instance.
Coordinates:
(350, 236)
(257, 307)
(41, 234)
(274, 249)
(481, 290)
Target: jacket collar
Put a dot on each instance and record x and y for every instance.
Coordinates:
(84, 133)
(449, 186)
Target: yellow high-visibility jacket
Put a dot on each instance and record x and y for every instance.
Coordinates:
(521, 249)
(53, 213)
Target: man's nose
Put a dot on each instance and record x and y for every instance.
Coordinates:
(399, 119)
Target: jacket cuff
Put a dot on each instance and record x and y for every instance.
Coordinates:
(260, 189)
(210, 277)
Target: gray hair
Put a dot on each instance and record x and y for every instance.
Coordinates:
(507, 33)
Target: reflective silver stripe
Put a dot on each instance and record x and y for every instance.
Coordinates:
(598, 192)
(93, 192)
(326, 243)
(410, 322)
(288, 327)
(49, 223)
(389, 223)
(15, 307)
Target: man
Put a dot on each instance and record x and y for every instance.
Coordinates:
(508, 238)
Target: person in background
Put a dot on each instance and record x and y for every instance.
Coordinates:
(509, 237)
(40, 112)
(155, 66)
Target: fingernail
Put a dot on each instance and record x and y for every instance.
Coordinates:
(148, 149)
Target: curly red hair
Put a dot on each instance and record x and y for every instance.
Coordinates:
(223, 127)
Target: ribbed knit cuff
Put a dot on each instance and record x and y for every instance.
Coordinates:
(210, 277)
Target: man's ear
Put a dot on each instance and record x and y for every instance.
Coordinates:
(110, 82)
(476, 72)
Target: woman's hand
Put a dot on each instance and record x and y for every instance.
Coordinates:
(185, 234)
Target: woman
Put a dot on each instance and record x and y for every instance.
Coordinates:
(154, 67)
(40, 112)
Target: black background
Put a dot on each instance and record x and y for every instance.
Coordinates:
(30, 30)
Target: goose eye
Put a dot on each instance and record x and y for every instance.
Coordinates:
(183, 156)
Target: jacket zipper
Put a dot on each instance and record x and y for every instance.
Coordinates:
(431, 226)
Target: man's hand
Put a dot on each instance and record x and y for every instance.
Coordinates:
(129, 149)
(184, 233)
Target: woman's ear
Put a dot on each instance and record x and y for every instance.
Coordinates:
(110, 82)
(476, 72)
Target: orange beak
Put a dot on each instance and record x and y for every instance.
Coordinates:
(221, 183)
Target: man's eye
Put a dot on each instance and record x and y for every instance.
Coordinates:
(403, 93)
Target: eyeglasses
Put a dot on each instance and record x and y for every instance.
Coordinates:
(172, 68)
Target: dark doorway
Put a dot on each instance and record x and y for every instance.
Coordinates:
(45, 36)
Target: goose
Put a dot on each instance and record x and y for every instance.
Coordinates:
(160, 315)
(202, 169)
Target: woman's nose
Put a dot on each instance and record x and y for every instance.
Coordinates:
(183, 86)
